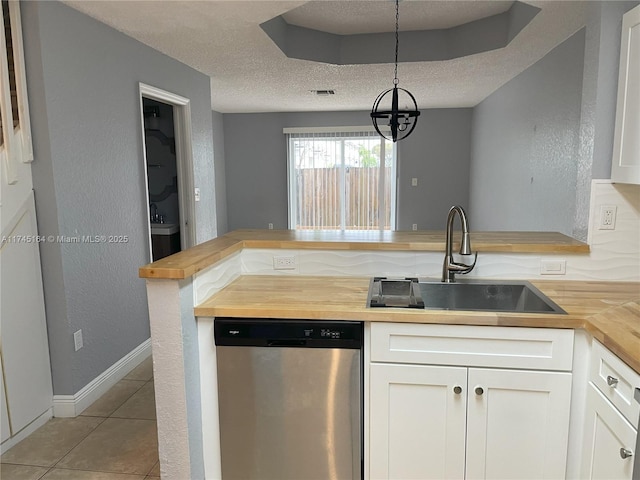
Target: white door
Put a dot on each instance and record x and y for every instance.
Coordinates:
(23, 341)
(607, 435)
(518, 424)
(417, 422)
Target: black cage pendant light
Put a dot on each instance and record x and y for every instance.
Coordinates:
(401, 122)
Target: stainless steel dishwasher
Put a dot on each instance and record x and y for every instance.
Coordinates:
(290, 399)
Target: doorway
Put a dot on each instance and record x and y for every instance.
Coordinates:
(168, 171)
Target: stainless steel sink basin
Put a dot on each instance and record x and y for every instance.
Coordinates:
(499, 296)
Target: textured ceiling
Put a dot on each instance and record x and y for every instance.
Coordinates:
(249, 73)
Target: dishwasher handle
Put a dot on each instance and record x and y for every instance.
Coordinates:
(286, 343)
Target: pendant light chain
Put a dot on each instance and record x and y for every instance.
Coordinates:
(395, 79)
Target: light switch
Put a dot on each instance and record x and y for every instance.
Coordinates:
(414, 182)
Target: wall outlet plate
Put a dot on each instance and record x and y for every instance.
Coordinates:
(607, 217)
(284, 263)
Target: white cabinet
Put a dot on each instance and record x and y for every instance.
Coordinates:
(609, 439)
(625, 166)
(517, 424)
(609, 435)
(417, 428)
(445, 422)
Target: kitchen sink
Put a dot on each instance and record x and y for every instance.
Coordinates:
(481, 295)
(501, 296)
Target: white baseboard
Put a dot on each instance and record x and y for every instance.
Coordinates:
(26, 431)
(73, 405)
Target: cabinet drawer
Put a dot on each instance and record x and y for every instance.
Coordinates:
(510, 347)
(616, 380)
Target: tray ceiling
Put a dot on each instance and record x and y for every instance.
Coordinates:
(249, 73)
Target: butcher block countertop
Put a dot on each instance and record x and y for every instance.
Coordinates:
(609, 311)
(184, 264)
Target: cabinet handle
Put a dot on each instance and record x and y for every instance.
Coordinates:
(457, 389)
(612, 381)
(625, 453)
(479, 390)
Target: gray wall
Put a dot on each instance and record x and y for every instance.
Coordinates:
(437, 153)
(256, 165)
(219, 166)
(89, 180)
(556, 120)
(525, 144)
(599, 91)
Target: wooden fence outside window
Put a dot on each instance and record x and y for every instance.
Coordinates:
(319, 201)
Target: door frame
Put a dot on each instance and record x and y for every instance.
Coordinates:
(184, 161)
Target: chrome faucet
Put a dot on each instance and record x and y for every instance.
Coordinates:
(450, 267)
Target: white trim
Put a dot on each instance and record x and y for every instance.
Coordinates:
(73, 405)
(209, 399)
(184, 160)
(303, 130)
(7, 156)
(291, 189)
(26, 431)
(26, 155)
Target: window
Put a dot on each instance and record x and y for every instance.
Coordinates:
(337, 181)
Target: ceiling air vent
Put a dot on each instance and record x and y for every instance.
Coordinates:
(323, 93)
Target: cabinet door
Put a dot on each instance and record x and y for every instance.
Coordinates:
(606, 433)
(625, 166)
(518, 424)
(417, 422)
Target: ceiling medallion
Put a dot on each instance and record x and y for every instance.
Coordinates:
(401, 122)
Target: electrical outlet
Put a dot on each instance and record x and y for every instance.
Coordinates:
(553, 267)
(414, 226)
(284, 263)
(271, 226)
(77, 340)
(608, 217)
(196, 194)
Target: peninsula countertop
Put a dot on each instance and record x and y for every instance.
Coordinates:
(609, 311)
(185, 264)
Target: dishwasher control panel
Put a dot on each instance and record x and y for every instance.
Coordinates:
(287, 333)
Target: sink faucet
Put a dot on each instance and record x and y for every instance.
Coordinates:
(450, 267)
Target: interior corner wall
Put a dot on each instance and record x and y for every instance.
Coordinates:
(599, 98)
(89, 180)
(256, 165)
(525, 139)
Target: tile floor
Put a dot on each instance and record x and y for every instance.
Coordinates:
(114, 439)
